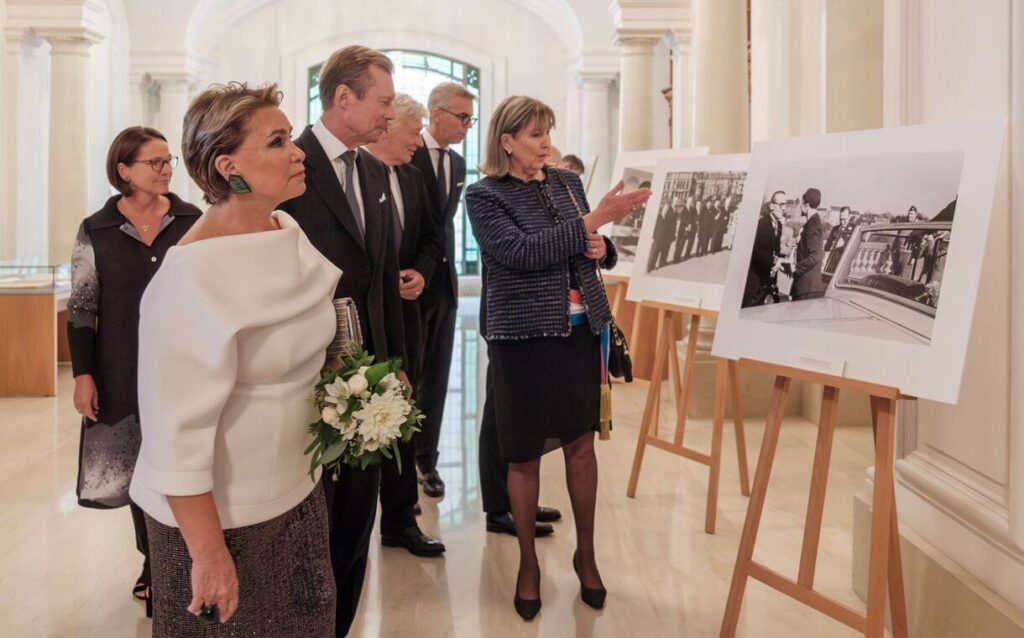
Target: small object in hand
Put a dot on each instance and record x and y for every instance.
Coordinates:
(208, 612)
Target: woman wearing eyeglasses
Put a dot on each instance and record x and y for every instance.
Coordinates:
(116, 253)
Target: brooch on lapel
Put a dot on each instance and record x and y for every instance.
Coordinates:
(383, 198)
(459, 184)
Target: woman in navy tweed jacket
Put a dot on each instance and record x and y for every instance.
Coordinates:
(544, 310)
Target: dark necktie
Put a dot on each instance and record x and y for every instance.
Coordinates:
(349, 157)
(396, 222)
(442, 182)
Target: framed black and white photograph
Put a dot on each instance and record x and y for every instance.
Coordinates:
(636, 170)
(688, 229)
(858, 254)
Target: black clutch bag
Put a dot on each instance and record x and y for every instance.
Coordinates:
(619, 363)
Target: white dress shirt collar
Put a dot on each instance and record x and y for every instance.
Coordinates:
(429, 140)
(331, 144)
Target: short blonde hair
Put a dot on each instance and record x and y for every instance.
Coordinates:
(405, 107)
(215, 125)
(350, 66)
(512, 116)
(445, 91)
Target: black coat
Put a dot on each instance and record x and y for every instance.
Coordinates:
(111, 270)
(369, 265)
(442, 214)
(810, 253)
(767, 246)
(420, 250)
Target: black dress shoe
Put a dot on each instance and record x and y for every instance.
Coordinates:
(527, 608)
(503, 524)
(548, 515)
(433, 485)
(414, 540)
(592, 597)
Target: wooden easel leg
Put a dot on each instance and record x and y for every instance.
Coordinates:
(755, 507)
(664, 348)
(620, 294)
(691, 356)
(721, 381)
(638, 311)
(819, 481)
(897, 595)
(737, 419)
(650, 418)
(881, 516)
(673, 359)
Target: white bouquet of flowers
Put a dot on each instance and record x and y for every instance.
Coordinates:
(364, 412)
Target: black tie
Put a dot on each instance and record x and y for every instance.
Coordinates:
(349, 157)
(442, 182)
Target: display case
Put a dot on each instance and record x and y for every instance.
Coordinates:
(31, 279)
(33, 327)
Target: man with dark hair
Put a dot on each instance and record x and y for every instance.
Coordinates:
(807, 282)
(572, 163)
(346, 213)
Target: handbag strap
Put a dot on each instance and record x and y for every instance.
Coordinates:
(579, 211)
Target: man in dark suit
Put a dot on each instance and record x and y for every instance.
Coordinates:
(665, 227)
(810, 251)
(419, 251)
(761, 274)
(450, 108)
(346, 213)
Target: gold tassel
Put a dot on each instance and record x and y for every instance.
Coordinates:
(606, 413)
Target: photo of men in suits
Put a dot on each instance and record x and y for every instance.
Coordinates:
(694, 215)
(810, 251)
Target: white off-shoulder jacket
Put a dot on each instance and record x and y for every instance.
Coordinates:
(232, 337)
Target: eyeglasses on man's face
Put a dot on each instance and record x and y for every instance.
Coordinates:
(157, 163)
(466, 119)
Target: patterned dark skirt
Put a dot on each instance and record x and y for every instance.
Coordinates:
(286, 587)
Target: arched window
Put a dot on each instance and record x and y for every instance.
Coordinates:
(416, 73)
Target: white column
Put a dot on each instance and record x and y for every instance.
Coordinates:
(68, 190)
(770, 67)
(9, 96)
(682, 91)
(636, 91)
(595, 127)
(175, 92)
(721, 106)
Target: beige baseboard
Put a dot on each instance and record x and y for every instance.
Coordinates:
(943, 600)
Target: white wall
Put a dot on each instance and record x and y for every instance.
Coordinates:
(517, 51)
(958, 469)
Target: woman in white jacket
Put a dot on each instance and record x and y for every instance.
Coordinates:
(232, 337)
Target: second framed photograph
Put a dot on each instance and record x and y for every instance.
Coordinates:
(636, 170)
(682, 255)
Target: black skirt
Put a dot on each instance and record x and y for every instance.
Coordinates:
(286, 586)
(546, 392)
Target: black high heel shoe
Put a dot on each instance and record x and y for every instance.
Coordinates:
(526, 608)
(592, 597)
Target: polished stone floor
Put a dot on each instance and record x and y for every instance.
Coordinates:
(68, 571)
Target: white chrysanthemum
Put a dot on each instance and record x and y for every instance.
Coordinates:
(357, 384)
(389, 382)
(348, 430)
(381, 419)
(337, 391)
(330, 417)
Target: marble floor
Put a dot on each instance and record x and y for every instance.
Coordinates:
(68, 571)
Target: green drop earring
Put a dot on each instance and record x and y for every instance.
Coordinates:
(238, 185)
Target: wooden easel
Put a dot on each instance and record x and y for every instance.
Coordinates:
(621, 283)
(885, 565)
(727, 376)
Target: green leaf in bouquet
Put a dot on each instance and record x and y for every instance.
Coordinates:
(333, 452)
(377, 372)
(398, 455)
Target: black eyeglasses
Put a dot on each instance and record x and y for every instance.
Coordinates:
(466, 119)
(157, 163)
